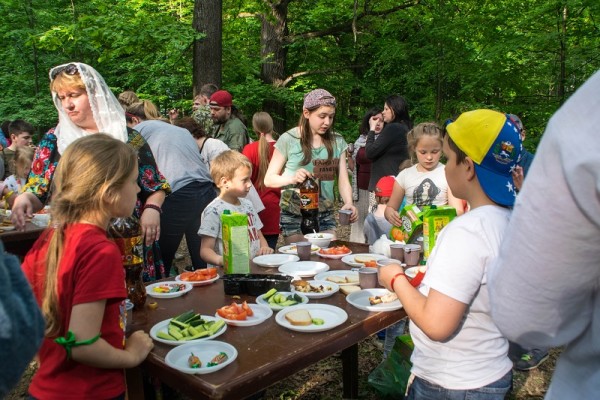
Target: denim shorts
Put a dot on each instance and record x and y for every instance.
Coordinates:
(424, 390)
(290, 223)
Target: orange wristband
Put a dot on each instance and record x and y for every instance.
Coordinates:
(394, 280)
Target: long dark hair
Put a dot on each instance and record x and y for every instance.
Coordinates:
(399, 107)
(306, 136)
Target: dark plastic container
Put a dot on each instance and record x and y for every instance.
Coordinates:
(255, 284)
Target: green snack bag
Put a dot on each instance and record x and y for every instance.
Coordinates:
(434, 219)
(236, 243)
(412, 224)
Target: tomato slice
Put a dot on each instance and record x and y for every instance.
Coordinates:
(211, 272)
(247, 309)
(234, 311)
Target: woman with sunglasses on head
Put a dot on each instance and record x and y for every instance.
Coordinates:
(86, 106)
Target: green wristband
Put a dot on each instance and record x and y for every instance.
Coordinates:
(69, 341)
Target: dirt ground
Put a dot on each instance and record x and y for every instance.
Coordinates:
(323, 380)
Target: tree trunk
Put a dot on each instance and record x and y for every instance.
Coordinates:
(208, 50)
(274, 55)
(562, 78)
(36, 75)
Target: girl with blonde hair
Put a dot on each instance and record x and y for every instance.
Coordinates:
(84, 348)
(259, 153)
(22, 166)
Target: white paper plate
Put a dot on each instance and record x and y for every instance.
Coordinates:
(360, 300)
(291, 249)
(6, 228)
(412, 272)
(151, 293)
(261, 314)
(198, 283)
(329, 289)
(178, 357)
(341, 273)
(350, 259)
(303, 268)
(332, 315)
(274, 260)
(275, 307)
(163, 325)
(333, 256)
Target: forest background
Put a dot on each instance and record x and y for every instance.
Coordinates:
(445, 57)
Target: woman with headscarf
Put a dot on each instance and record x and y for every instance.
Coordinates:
(86, 106)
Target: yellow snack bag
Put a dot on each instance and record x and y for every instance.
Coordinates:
(434, 219)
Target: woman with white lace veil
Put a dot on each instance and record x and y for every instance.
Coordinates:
(86, 106)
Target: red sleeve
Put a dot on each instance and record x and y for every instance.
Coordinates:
(251, 152)
(100, 274)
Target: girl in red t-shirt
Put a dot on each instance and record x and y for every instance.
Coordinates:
(78, 278)
(259, 153)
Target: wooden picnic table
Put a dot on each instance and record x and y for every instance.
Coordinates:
(268, 352)
(19, 242)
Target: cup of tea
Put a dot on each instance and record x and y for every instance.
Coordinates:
(367, 278)
(397, 251)
(344, 216)
(303, 249)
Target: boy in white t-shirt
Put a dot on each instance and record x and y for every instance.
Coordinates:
(231, 172)
(459, 351)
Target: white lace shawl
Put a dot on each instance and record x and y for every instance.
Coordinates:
(108, 113)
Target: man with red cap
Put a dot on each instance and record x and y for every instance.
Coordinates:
(229, 128)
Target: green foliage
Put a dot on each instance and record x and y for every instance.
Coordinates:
(444, 57)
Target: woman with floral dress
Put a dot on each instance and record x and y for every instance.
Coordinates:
(86, 106)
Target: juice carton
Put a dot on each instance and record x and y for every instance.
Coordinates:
(236, 243)
(412, 225)
(434, 219)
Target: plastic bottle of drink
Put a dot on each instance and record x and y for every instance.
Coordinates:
(128, 236)
(309, 205)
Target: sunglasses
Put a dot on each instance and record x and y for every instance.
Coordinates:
(69, 69)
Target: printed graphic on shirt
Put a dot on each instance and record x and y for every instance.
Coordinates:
(425, 193)
(325, 170)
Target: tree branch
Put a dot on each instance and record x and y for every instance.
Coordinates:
(315, 72)
(347, 26)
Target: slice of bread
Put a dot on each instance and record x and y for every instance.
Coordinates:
(363, 259)
(337, 279)
(300, 317)
(349, 289)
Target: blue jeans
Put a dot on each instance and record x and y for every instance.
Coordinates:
(391, 333)
(424, 390)
(181, 216)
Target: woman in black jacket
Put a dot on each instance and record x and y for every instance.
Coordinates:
(391, 147)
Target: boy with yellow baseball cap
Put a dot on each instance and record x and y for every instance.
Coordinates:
(459, 351)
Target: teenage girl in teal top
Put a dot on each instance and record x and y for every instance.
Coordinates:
(311, 149)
